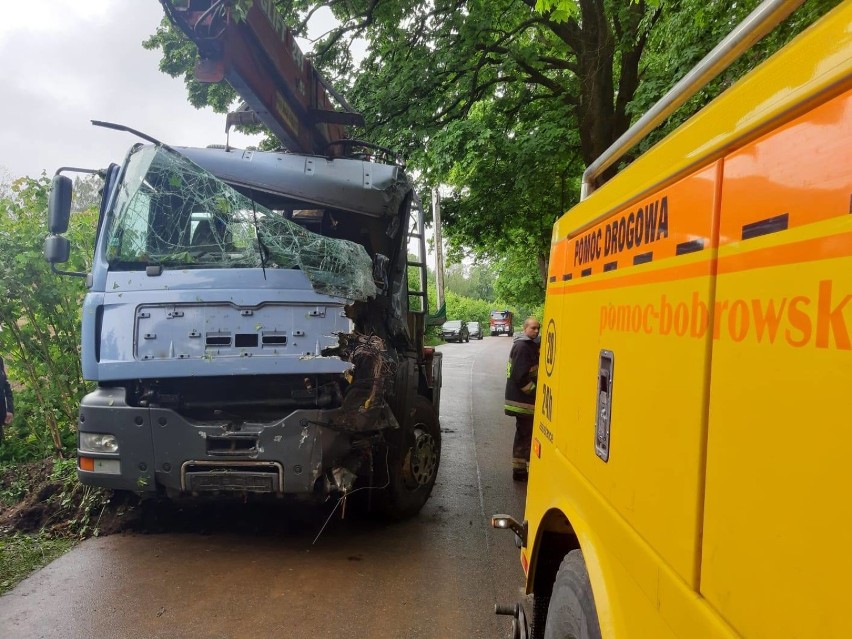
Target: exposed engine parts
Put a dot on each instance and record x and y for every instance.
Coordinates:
(373, 364)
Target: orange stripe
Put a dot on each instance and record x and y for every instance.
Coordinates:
(818, 248)
(813, 250)
(681, 272)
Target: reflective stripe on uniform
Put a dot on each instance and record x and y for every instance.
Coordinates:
(519, 408)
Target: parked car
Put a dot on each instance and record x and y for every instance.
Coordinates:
(474, 330)
(455, 331)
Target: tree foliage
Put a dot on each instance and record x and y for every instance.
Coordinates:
(504, 102)
(476, 280)
(470, 294)
(40, 321)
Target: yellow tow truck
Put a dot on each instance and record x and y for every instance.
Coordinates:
(690, 469)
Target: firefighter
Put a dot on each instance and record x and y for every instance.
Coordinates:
(521, 375)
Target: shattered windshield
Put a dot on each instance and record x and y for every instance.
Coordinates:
(171, 212)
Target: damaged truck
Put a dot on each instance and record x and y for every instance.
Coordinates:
(248, 326)
(254, 323)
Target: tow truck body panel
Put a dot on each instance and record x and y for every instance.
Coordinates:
(696, 330)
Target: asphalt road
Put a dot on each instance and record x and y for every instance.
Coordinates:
(437, 575)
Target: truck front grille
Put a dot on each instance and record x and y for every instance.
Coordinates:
(235, 477)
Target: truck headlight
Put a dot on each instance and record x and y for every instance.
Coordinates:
(98, 443)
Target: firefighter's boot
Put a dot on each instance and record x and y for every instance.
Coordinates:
(520, 469)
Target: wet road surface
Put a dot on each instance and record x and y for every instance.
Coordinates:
(245, 574)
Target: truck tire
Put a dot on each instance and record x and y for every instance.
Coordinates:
(571, 613)
(413, 456)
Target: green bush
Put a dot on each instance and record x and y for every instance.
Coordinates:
(40, 323)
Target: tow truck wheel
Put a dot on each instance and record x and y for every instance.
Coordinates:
(413, 457)
(571, 613)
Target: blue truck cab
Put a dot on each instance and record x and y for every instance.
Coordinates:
(250, 328)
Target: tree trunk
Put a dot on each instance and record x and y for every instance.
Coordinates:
(595, 108)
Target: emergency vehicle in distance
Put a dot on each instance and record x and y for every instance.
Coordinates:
(500, 323)
(690, 469)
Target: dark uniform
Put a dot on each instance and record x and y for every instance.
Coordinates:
(6, 404)
(521, 375)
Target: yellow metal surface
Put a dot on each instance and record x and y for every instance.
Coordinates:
(721, 511)
(645, 502)
(658, 334)
(815, 66)
(776, 560)
(636, 593)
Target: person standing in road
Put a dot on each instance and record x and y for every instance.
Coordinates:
(521, 376)
(7, 406)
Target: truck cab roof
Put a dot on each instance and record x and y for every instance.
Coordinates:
(358, 186)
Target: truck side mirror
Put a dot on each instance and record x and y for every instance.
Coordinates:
(57, 249)
(59, 206)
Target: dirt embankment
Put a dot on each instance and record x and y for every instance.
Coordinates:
(45, 497)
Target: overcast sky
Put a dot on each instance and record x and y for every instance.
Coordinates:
(67, 62)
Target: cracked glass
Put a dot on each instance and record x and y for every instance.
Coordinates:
(171, 212)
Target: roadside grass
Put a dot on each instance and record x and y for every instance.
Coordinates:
(44, 512)
(432, 340)
(21, 555)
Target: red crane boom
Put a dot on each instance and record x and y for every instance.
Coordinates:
(258, 56)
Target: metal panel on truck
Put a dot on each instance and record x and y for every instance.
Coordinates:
(780, 433)
(633, 343)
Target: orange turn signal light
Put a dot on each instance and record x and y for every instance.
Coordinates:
(86, 463)
(537, 447)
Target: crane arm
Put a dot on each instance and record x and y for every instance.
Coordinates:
(259, 57)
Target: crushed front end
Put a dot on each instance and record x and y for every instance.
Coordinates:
(250, 333)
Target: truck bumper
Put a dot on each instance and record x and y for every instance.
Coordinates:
(159, 449)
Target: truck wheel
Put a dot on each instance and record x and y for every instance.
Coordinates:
(414, 453)
(571, 613)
